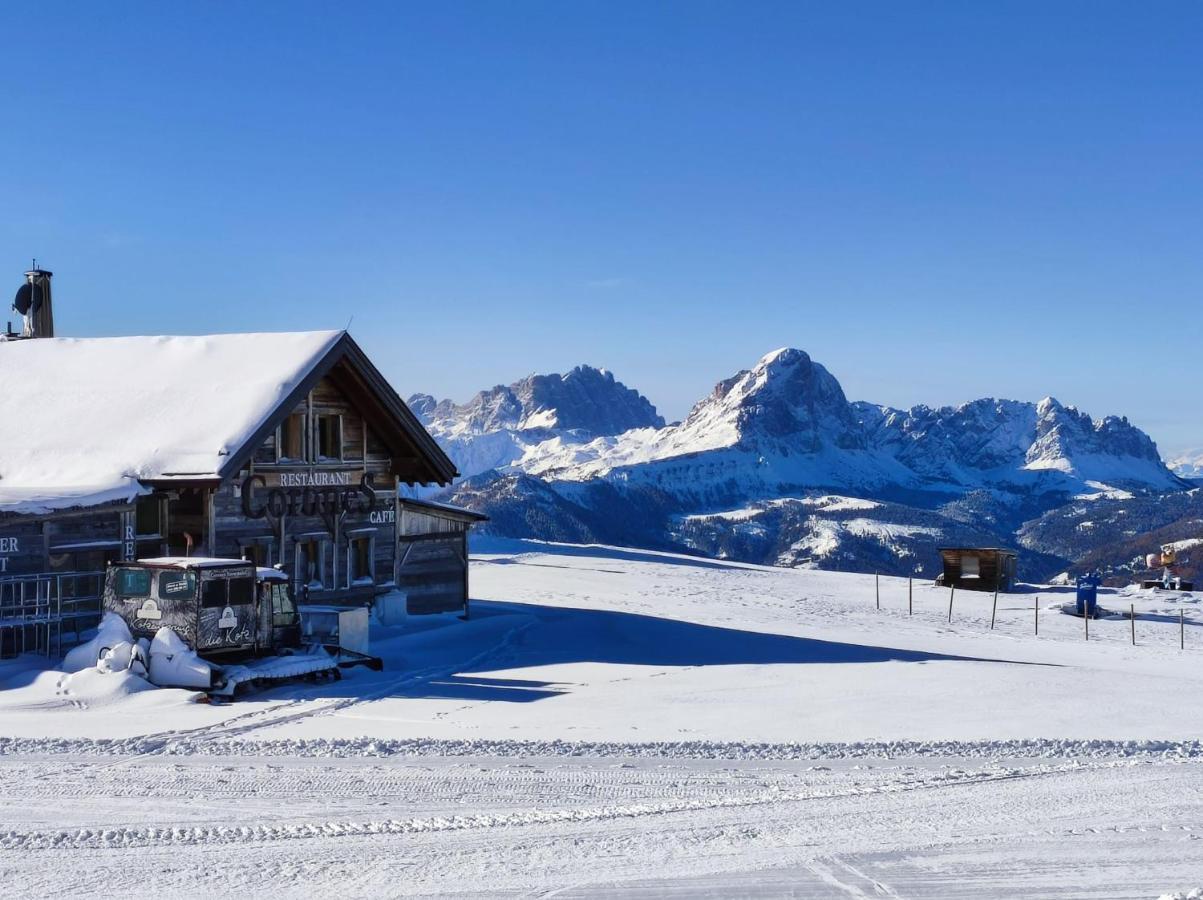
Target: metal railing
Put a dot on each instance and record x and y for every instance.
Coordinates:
(35, 609)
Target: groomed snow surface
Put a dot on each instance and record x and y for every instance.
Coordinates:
(624, 723)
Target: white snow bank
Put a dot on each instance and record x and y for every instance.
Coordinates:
(96, 687)
(111, 632)
(207, 396)
(174, 664)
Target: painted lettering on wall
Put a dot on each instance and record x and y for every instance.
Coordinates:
(258, 501)
(383, 516)
(7, 545)
(315, 479)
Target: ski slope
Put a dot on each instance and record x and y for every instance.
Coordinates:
(615, 722)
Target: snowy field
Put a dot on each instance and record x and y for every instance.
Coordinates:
(622, 723)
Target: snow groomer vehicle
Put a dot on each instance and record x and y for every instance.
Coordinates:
(220, 624)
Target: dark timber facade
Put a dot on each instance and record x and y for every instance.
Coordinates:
(316, 489)
(978, 568)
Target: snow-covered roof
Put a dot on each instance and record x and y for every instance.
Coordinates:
(436, 508)
(84, 420)
(195, 562)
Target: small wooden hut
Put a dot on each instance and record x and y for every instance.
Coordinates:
(978, 568)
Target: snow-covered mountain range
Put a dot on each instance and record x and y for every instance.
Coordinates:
(775, 464)
(1188, 463)
(497, 427)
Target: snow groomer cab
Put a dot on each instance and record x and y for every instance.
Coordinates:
(216, 606)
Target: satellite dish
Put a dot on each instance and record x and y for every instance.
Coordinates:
(29, 299)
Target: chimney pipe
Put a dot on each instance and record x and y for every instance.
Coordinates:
(40, 321)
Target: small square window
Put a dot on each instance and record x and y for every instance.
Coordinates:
(310, 563)
(292, 438)
(133, 583)
(359, 560)
(258, 552)
(214, 593)
(329, 437)
(148, 516)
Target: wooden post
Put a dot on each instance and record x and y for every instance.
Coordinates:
(1181, 630)
(910, 595)
(994, 610)
(951, 593)
(1132, 609)
(877, 587)
(1036, 609)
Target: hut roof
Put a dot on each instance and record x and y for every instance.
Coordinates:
(93, 420)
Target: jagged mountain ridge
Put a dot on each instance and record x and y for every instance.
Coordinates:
(738, 476)
(497, 426)
(786, 423)
(585, 399)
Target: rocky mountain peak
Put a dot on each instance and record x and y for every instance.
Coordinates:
(786, 399)
(1064, 433)
(586, 399)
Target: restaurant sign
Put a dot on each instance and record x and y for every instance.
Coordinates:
(307, 494)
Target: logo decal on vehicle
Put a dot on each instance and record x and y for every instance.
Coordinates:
(149, 610)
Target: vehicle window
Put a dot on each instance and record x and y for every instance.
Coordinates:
(242, 591)
(283, 611)
(213, 593)
(177, 585)
(133, 583)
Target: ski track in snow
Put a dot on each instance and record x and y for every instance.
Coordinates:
(592, 827)
(94, 838)
(219, 742)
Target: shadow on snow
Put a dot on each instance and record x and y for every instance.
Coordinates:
(569, 635)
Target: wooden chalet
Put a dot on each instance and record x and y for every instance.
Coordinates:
(284, 449)
(978, 568)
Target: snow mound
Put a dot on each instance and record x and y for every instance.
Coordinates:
(174, 664)
(96, 687)
(111, 632)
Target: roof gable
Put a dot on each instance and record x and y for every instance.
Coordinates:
(417, 458)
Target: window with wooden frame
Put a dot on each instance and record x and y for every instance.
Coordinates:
(148, 517)
(361, 558)
(329, 438)
(258, 551)
(310, 562)
(290, 439)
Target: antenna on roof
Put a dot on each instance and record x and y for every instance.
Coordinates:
(349, 321)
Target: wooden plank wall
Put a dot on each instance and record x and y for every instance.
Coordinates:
(362, 452)
(432, 570)
(27, 543)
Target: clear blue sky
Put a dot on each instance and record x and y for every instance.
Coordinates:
(939, 201)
